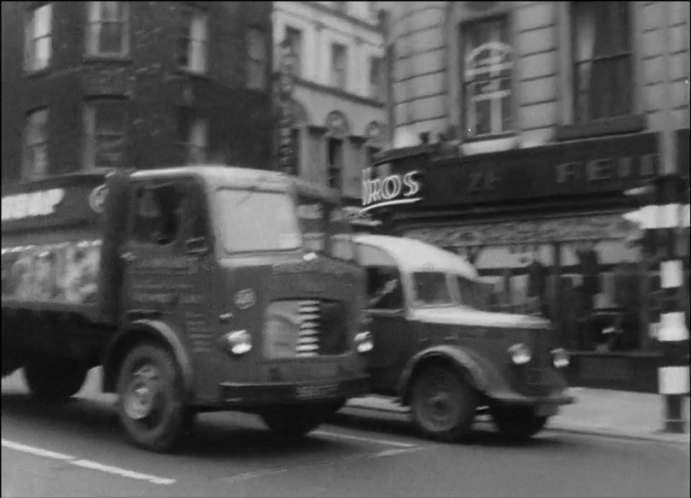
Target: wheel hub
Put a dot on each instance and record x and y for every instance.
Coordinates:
(142, 393)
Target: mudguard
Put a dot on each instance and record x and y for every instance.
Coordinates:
(480, 373)
(138, 331)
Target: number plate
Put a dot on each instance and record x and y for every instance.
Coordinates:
(316, 391)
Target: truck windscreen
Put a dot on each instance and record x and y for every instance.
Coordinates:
(258, 221)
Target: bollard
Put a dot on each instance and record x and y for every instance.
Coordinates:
(663, 222)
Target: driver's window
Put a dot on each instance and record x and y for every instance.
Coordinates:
(384, 286)
(384, 289)
(157, 215)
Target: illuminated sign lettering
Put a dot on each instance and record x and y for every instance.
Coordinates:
(389, 190)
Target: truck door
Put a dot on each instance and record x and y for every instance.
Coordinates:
(389, 327)
(168, 261)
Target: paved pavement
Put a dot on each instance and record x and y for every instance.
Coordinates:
(596, 411)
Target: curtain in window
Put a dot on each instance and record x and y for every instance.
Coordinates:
(36, 153)
(602, 58)
(107, 28)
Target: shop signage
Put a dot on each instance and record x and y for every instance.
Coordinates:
(286, 148)
(389, 190)
(56, 202)
(605, 166)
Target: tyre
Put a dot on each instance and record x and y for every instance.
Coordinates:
(55, 381)
(291, 422)
(150, 399)
(443, 405)
(517, 424)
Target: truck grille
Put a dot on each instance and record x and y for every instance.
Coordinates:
(304, 328)
(308, 336)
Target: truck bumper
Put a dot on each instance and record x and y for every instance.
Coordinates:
(543, 405)
(279, 393)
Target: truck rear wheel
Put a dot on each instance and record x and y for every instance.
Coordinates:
(443, 405)
(517, 424)
(292, 422)
(150, 401)
(54, 381)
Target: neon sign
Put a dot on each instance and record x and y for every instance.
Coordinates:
(390, 190)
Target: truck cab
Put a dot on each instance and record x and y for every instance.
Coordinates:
(440, 349)
(218, 288)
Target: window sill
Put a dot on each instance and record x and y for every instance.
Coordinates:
(599, 127)
(194, 74)
(35, 73)
(94, 58)
(485, 138)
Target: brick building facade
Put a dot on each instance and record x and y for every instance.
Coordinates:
(135, 84)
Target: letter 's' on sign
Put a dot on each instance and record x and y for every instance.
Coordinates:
(389, 190)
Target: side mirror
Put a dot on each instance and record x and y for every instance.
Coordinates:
(197, 246)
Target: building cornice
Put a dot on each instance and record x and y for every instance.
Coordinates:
(346, 17)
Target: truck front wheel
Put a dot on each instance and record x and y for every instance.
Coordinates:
(54, 381)
(443, 405)
(150, 401)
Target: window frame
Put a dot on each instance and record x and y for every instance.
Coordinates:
(91, 136)
(180, 215)
(189, 14)
(92, 38)
(335, 71)
(497, 130)
(377, 90)
(29, 169)
(297, 67)
(31, 40)
(574, 64)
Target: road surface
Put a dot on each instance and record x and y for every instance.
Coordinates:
(77, 450)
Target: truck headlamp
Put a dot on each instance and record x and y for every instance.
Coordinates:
(364, 342)
(520, 354)
(560, 358)
(238, 342)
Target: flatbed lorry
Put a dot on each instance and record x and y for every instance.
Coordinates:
(196, 288)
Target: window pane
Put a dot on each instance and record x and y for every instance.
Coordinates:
(39, 160)
(483, 116)
(111, 11)
(110, 38)
(109, 151)
(198, 27)
(258, 221)
(37, 127)
(198, 56)
(199, 132)
(294, 37)
(42, 53)
(42, 21)
(110, 118)
(431, 288)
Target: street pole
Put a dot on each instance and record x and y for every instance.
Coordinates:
(664, 220)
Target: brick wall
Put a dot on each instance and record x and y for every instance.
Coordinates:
(239, 119)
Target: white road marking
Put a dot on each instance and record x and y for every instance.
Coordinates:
(36, 451)
(365, 439)
(87, 464)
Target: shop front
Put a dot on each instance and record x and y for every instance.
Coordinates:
(545, 226)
